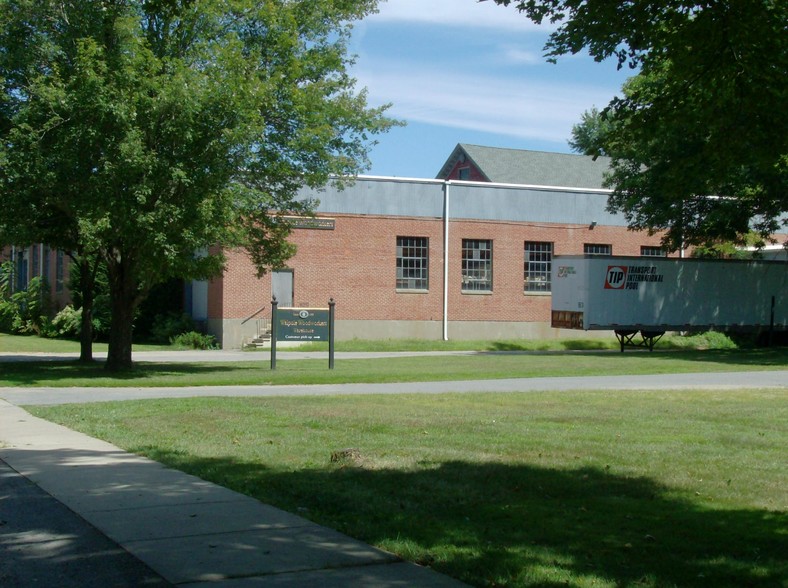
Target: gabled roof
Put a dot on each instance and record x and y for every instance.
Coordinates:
(540, 168)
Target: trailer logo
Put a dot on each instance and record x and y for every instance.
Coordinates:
(629, 277)
(616, 277)
(564, 271)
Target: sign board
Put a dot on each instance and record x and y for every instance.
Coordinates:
(318, 223)
(302, 324)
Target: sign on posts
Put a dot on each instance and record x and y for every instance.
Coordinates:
(301, 325)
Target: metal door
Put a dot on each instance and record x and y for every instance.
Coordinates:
(282, 287)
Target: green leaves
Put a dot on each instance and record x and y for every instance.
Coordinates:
(699, 138)
(147, 130)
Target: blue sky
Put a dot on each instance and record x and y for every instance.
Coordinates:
(461, 71)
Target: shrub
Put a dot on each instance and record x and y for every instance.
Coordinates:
(168, 326)
(68, 322)
(705, 340)
(6, 316)
(102, 315)
(6, 308)
(26, 311)
(194, 340)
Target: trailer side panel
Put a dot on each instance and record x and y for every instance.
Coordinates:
(638, 293)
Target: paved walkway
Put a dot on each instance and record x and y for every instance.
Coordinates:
(721, 380)
(95, 515)
(76, 511)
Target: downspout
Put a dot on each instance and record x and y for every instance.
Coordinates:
(446, 196)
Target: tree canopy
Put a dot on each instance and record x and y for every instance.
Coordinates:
(699, 137)
(147, 131)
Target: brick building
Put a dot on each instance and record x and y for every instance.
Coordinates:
(466, 255)
(39, 261)
(442, 258)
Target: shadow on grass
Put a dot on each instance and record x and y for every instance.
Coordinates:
(505, 525)
(763, 356)
(568, 345)
(766, 356)
(40, 372)
(312, 371)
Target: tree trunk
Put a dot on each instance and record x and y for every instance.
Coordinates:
(86, 331)
(123, 295)
(87, 285)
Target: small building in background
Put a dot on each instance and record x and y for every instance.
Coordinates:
(40, 261)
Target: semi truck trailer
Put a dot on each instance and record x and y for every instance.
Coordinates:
(641, 298)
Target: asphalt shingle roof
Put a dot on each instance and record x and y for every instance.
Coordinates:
(541, 168)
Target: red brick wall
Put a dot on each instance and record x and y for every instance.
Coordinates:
(356, 265)
(239, 293)
(508, 302)
(58, 299)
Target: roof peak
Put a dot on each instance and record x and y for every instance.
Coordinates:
(507, 165)
(551, 153)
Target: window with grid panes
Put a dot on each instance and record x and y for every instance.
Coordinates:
(597, 249)
(412, 263)
(476, 265)
(35, 261)
(650, 251)
(21, 276)
(45, 263)
(537, 266)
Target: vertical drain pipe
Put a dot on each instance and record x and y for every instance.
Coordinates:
(446, 185)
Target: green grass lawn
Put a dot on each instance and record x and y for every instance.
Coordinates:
(32, 344)
(28, 344)
(401, 369)
(541, 489)
(710, 340)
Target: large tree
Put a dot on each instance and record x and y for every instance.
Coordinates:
(156, 129)
(28, 216)
(699, 138)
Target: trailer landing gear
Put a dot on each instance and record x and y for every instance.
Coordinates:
(648, 339)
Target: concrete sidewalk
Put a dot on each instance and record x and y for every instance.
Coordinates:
(179, 529)
(690, 381)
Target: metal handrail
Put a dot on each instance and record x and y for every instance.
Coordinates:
(263, 326)
(255, 313)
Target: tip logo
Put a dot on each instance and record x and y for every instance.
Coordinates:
(616, 277)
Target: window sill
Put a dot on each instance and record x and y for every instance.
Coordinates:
(411, 291)
(537, 293)
(477, 292)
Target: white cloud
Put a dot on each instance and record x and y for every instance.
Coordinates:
(467, 13)
(529, 109)
(518, 56)
(466, 67)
